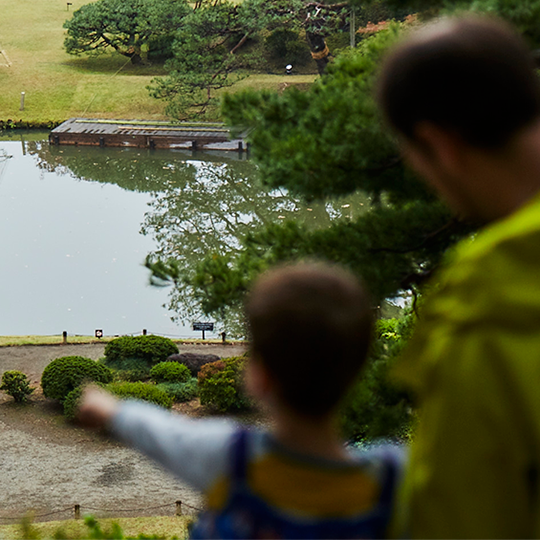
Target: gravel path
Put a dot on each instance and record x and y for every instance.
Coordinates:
(47, 465)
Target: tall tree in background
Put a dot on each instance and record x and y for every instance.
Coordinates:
(330, 141)
(210, 52)
(319, 144)
(130, 27)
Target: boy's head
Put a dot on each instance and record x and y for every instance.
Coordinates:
(310, 330)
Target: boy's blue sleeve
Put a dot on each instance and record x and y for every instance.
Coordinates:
(197, 451)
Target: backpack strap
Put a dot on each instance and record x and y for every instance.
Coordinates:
(389, 483)
(239, 457)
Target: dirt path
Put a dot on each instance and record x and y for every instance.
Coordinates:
(47, 465)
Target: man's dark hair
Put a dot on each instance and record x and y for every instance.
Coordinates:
(472, 75)
(310, 326)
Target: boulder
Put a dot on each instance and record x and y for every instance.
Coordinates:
(193, 361)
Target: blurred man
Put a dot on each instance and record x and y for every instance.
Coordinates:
(464, 100)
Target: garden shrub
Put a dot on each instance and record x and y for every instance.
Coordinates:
(170, 372)
(129, 369)
(193, 361)
(16, 384)
(139, 390)
(376, 407)
(71, 403)
(107, 530)
(221, 385)
(151, 349)
(65, 374)
(181, 392)
(210, 369)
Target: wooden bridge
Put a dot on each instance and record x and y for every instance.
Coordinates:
(143, 134)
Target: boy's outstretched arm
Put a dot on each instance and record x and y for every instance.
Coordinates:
(197, 451)
(97, 407)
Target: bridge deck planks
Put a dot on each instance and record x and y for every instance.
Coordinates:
(141, 134)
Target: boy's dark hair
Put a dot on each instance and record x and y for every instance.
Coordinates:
(472, 75)
(310, 326)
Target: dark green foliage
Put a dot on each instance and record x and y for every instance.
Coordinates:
(202, 63)
(523, 15)
(326, 142)
(284, 45)
(212, 47)
(210, 369)
(65, 374)
(139, 390)
(151, 349)
(129, 369)
(221, 385)
(181, 392)
(128, 26)
(94, 532)
(71, 403)
(10, 124)
(16, 384)
(171, 372)
(375, 407)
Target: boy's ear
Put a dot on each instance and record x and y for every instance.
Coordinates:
(258, 381)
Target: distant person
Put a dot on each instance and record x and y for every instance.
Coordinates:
(310, 332)
(464, 99)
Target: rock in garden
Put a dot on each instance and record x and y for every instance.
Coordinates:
(193, 361)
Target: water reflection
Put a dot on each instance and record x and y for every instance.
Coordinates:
(73, 214)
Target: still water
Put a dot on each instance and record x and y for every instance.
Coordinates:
(76, 225)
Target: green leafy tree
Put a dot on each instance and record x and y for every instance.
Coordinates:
(128, 26)
(206, 50)
(324, 143)
(202, 63)
(321, 144)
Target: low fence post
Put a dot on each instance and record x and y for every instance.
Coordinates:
(64, 337)
(178, 508)
(77, 511)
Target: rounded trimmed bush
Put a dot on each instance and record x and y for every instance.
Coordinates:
(129, 369)
(221, 385)
(171, 372)
(139, 390)
(65, 374)
(152, 349)
(71, 403)
(181, 392)
(16, 384)
(210, 369)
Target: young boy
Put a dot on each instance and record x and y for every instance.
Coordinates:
(310, 328)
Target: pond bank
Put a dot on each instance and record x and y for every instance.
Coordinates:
(32, 359)
(49, 465)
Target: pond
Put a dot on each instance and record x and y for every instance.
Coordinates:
(76, 224)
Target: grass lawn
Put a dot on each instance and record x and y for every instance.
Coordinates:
(13, 341)
(9, 341)
(162, 526)
(60, 86)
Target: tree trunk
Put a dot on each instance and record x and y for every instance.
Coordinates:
(319, 51)
(136, 59)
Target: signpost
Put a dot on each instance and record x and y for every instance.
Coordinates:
(203, 327)
(99, 333)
